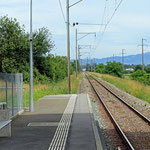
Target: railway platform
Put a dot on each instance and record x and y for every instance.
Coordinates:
(62, 122)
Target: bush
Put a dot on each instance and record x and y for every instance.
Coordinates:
(140, 76)
(114, 68)
(100, 68)
(15, 48)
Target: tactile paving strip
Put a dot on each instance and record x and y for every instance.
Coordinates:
(60, 137)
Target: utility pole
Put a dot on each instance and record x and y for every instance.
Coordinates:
(91, 64)
(94, 64)
(143, 52)
(68, 39)
(31, 61)
(123, 58)
(87, 63)
(68, 45)
(79, 57)
(107, 60)
(76, 52)
(113, 57)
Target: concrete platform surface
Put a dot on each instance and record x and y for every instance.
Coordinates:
(81, 135)
(61, 122)
(44, 121)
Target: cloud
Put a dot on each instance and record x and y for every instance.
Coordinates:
(126, 29)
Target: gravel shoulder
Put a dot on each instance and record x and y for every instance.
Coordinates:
(140, 105)
(104, 122)
(107, 128)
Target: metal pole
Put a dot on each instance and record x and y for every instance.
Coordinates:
(25, 97)
(142, 54)
(68, 46)
(31, 61)
(79, 57)
(12, 85)
(113, 57)
(91, 64)
(123, 58)
(94, 64)
(87, 64)
(6, 91)
(76, 53)
(107, 60)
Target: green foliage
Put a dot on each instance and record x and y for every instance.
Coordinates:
(100, 68)
(138, 67)
(140, 76)
(73, 67)
(147, 68)
(114, 68)
(14, 53)
(54, 88)
(13, 44)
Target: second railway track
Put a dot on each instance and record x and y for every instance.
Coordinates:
(132, 126)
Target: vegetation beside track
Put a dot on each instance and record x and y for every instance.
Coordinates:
(58, 88)
(134, 88)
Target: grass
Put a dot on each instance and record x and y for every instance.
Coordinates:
(58, 88)
(134, 88)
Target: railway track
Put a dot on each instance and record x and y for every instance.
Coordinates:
(132, 126)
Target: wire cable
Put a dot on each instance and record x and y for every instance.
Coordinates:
(102, 22)
(109, 22)
(62, 11)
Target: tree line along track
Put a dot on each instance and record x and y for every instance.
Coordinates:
(132, 126)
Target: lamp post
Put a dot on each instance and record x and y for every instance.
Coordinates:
(31, 61)
(68, 46)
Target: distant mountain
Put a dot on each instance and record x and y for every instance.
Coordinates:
(131, 59)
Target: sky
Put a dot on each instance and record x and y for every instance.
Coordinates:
(128, 26)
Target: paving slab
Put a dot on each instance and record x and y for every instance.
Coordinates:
(81, 135)
(35, 131)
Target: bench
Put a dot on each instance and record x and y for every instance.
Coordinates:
(5, 122)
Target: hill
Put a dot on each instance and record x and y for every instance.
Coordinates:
(130, 59)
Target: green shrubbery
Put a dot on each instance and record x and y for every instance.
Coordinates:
(14, 53)
(112, 68)
(100, 68)
(140, 76)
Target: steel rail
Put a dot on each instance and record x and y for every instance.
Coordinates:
(123, 101)
(116, 125)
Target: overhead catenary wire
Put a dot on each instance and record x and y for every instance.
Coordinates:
(62, 11)
(102, 22)
(108, 22)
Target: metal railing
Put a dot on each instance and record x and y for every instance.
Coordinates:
(11, 92)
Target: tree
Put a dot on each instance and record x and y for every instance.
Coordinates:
(138, 67)
(147, 68)
(114, 68)
(140, 76)
(100, 68)
(14, 53)
(13, 44)
(42, 46)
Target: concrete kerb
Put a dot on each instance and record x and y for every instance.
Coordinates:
(100, 143)
(18, 114)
